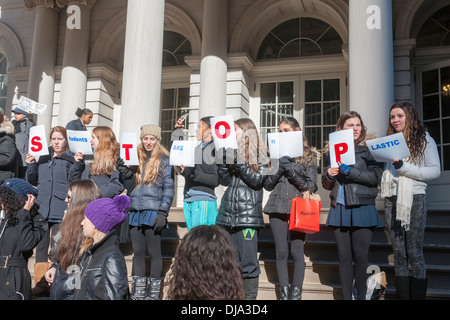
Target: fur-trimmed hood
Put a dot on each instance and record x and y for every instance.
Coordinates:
(8, 128)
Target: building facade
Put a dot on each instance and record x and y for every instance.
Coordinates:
(151, 61)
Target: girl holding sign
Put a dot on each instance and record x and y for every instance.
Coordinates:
(151, 198)
(240, 210)
(294, 177)
(200, 201)
(404, 189)
(353, 214)
(103, 169)
(51, 174)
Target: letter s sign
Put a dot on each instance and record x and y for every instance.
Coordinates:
(36, 145)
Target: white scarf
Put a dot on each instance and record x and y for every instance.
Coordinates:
(404, 194)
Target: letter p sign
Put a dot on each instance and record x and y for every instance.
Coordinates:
(340, 149)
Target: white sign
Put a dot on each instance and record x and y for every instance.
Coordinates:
(285, 144)
(223, 132)
(38, 141)
(342, 147)
(128, 149)
(29, 105)
(80, 141)
(389, 148)
(182, 152)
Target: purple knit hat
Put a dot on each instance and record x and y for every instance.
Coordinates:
(107, 213)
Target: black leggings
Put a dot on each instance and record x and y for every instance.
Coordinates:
(142, 238)
(47, 242)
(353, 247)
(279, 223)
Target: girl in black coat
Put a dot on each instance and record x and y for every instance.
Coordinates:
(20, 232)
(294, 176)
(51, 174)
(353, 214)
(240, 210)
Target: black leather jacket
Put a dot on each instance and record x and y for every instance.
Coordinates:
(103, 272)
(360, 184)
(241, 205)
(285, 188)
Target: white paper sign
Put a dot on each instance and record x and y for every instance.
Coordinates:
(285, 144)
(342, 147)
(80, 141)
(29, 105)
(128, 149)
(223, 132)
(389, 148)
(38, 141)
(182, 152)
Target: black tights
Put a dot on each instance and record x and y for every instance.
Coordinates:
(353, 246)
(142, 238)
(279, 223)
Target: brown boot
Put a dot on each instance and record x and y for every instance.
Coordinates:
(41, 289)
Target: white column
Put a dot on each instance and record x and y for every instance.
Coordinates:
(213, 67)
(371, 76)
(41, 85)
(74, 72)
(141, 94)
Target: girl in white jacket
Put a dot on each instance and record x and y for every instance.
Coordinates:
(403, 186)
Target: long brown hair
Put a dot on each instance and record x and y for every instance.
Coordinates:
(308, 151)
(83, 191)
(349, 115)
(153, 166)
(414, 132)
(105, 158)
(251, 147)
(205, 267)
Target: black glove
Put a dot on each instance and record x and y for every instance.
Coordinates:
(287, 165)
(160, 221)
(398, 164)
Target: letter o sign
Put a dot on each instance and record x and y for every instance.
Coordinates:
(226, 132)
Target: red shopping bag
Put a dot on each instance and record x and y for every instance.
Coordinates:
(305, 215)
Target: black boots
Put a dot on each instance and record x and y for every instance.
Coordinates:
(295, 295)
(143, 288)
(410, 288)
(251, 288)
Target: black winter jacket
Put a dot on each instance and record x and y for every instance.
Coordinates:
(103, 272)
(284, 188)
(16, 247)
(360, 184)
(52, 175)
(9, 155)
(241, 204)
(204, 176)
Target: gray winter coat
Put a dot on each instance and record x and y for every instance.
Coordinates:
(155, 197)
(22, 136)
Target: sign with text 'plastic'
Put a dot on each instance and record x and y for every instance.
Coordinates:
(389, 148)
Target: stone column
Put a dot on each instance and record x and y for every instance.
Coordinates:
(371, 62)
(76, 51)
(41, 85)
(141, 94)
(213, 67)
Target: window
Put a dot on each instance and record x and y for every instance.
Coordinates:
(436, 30)
(176, 47)
(3, 80)
(436, 110)
(300, 38)
(175, 104)
(277, 102)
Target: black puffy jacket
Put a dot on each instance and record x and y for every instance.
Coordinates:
(360, 184)
(241, 204)
(284, 188)
(103, 272)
